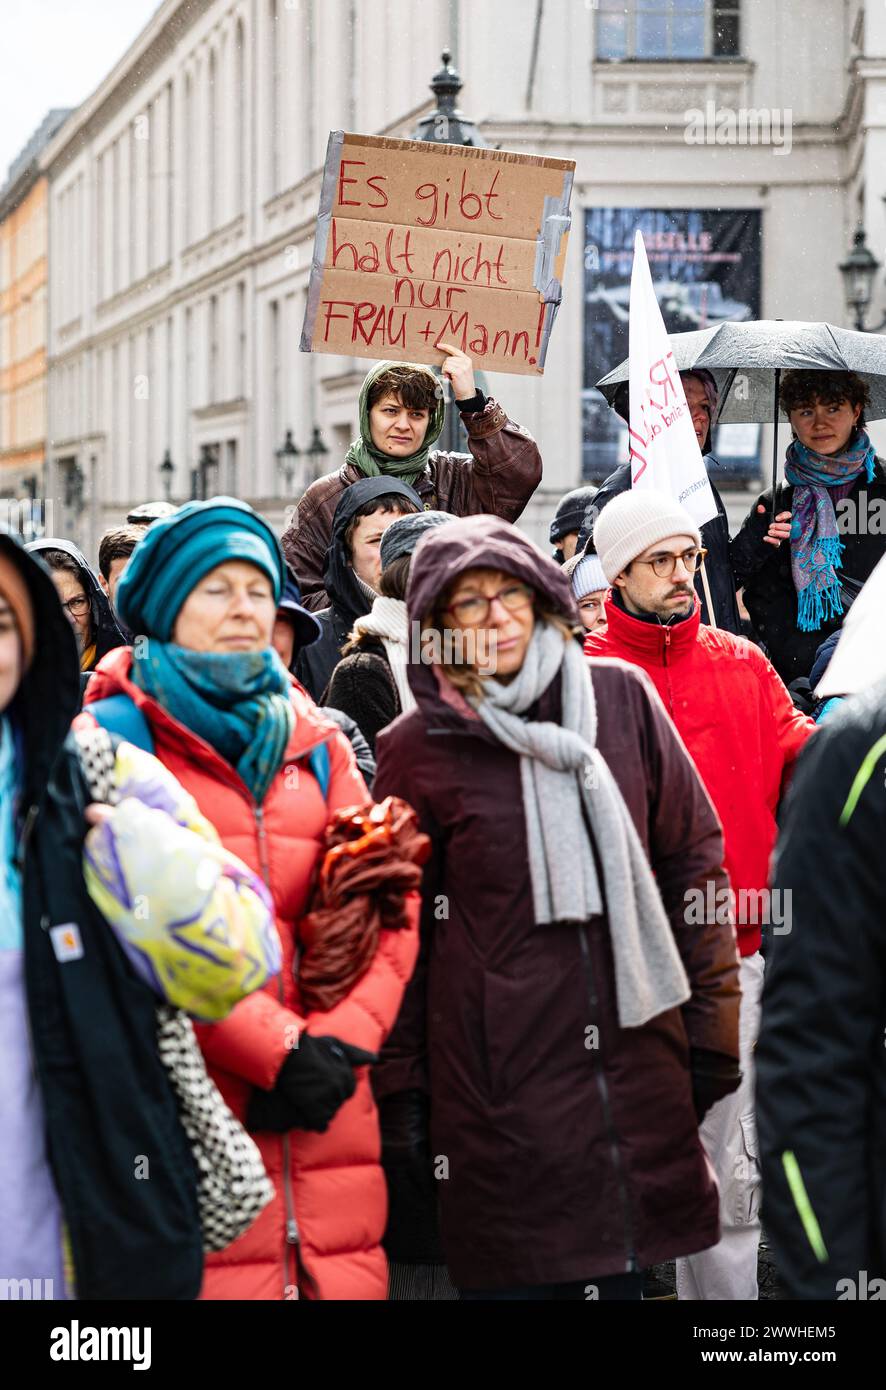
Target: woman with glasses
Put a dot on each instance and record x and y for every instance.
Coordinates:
(86, 604)
(552, 1057)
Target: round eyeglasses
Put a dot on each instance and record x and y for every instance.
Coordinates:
(472, 611)
(77, 606)
(664, 565)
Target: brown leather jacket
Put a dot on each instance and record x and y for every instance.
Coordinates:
(499, 476)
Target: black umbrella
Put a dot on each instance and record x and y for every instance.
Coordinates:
(747, 359)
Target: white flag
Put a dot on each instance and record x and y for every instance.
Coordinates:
(664, 450)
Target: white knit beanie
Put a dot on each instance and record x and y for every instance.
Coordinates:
(633, 521)
(586, 575)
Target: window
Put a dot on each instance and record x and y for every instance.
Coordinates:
(274, 374)
(655, 29)
(189, 160)
(274, 86)
(170, 167)
(212, 139)
(240, 389)
(213, 393)
(239, 123)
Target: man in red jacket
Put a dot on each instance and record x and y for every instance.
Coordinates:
(743, 732)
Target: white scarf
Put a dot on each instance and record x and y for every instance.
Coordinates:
(387, 620)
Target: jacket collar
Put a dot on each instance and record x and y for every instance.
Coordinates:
(648, 641)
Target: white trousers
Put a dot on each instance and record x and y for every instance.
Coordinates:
(729, 1134)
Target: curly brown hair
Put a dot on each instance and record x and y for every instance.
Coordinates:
(799, 388)
(415, 387)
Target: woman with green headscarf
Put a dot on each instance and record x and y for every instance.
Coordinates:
(402, 412)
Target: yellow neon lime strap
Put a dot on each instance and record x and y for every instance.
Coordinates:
(803, 1205)
(862, 777)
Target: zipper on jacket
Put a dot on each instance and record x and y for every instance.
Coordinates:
(603, 1086)
(293, 1238)
(665, 663)
(27, 827)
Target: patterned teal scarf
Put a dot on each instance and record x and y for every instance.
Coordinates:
(238, 702)
(816, 549)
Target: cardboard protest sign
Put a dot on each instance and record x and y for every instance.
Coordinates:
(419, 244)
(664, 450)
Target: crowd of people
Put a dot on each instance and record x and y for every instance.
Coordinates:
(520, 909)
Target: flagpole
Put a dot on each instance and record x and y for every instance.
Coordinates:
(707, 593)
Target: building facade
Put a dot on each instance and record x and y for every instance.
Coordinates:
(23, 318)
(183, 199)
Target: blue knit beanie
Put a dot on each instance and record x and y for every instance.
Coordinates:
(179, 550)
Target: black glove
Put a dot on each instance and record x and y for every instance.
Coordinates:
(314, 1081)
(714, 1075)
(412, 1233)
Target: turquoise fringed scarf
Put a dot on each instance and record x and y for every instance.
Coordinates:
(816, 548)
(238, 702)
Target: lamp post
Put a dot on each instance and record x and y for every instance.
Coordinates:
(859, 270)
(286, 457)
(166, 470)
(75, 481)
(199, 475)
(447, 125)
(316, 450)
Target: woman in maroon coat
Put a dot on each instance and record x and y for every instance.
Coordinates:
(566, 1028)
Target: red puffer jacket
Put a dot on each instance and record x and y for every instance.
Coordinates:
(740, 726)
(321, 1234)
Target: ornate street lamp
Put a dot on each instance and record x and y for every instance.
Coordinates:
(316, 450)
(859, 270)
(75, 483)
(166, 470)
(446, 125)
(286, 457)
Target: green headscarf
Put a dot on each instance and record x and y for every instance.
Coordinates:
(371, 462)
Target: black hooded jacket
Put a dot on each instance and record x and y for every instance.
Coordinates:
(106, 1097)
(106, 631)
(317, 662)
(821, 1079)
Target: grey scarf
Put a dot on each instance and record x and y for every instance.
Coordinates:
(369, 594)
(566, 786)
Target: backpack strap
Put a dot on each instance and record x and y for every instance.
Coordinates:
(98, 759)
(318, 761)
(120, 715)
